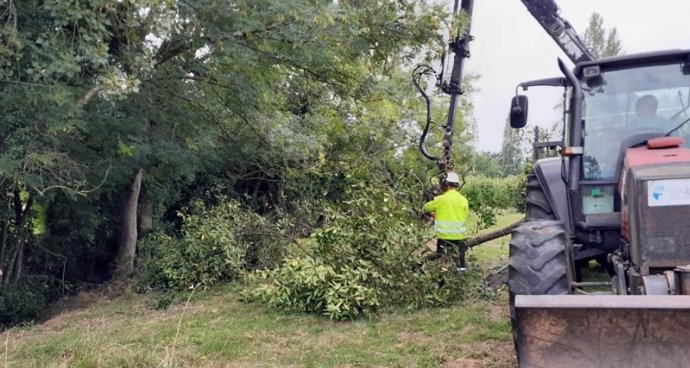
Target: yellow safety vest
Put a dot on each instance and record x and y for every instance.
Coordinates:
(451, 209)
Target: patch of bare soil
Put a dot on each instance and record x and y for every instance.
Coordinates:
(81, 300)
(89, 296)
(497, 279)
(499, 312)
(66, 310)
(495, 354)
(412, 336)
(464, 363)
(406, 337)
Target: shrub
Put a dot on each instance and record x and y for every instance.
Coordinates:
(307, 285)
(486, 195)
(367, 256)
(19, 304)
(265, 239)
(28, 299)
(211, 246)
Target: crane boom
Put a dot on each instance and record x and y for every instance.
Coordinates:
(544, 11)
(460, 47)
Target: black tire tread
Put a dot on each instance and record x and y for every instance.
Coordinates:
(537, 263)
(537, 206)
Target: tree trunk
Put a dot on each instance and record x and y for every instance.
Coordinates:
(146, 213)
(3, 246)
(473, 242)
(124, 262)
(10, 269)
(22, 211)
(255, 193)
(18, 263)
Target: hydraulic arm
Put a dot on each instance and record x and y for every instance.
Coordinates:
(544, 11)
(459, 48)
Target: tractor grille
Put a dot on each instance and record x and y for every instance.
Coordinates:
(662, 231)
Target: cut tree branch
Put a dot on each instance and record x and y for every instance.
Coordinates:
(478, 240)
(84, 100)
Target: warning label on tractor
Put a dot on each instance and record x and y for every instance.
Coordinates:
(668, 192)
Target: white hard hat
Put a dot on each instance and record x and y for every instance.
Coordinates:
(452, 177)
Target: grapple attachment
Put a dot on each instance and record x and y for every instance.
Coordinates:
(602, 331)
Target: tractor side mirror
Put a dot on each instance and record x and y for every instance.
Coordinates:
(518, 112)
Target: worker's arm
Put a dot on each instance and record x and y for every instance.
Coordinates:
(430, 206)
(466, 209)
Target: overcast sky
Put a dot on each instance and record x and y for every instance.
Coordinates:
(510, 47)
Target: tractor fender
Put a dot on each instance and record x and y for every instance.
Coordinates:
(548, 173)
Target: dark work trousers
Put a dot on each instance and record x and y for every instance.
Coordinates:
(444, 245)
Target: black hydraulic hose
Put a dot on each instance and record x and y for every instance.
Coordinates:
(418, 73)
(459, 46)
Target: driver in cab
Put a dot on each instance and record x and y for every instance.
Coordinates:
(647, 117)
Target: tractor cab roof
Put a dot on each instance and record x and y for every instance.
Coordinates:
(627, 61)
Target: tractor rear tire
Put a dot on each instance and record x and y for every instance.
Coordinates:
(537, 206)
(537, 263)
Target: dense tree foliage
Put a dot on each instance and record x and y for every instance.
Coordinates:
(210, 133)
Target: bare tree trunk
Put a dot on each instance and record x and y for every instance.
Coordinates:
(18, 262)
(477, 240)
(146, 213)
(3, 246)
(255, 193)
(10, 269)
(124, 262)
(22, 211)
(84, 100)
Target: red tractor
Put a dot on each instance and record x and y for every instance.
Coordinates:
(619, 193)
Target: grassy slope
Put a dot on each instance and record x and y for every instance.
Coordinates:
(217, 330)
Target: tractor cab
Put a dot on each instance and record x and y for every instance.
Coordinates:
(614, 104)
(628, 104)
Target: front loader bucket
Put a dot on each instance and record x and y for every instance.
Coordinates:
(602, 331)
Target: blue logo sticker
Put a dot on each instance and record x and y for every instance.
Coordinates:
(658, 192)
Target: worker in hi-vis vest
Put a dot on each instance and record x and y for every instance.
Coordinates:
(450, 211)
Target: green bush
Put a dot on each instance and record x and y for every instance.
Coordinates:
(19, 304)
(307, 285)
(486, 195)
(367, 256)
(28, 299)
(211, 246)
(265, 239)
